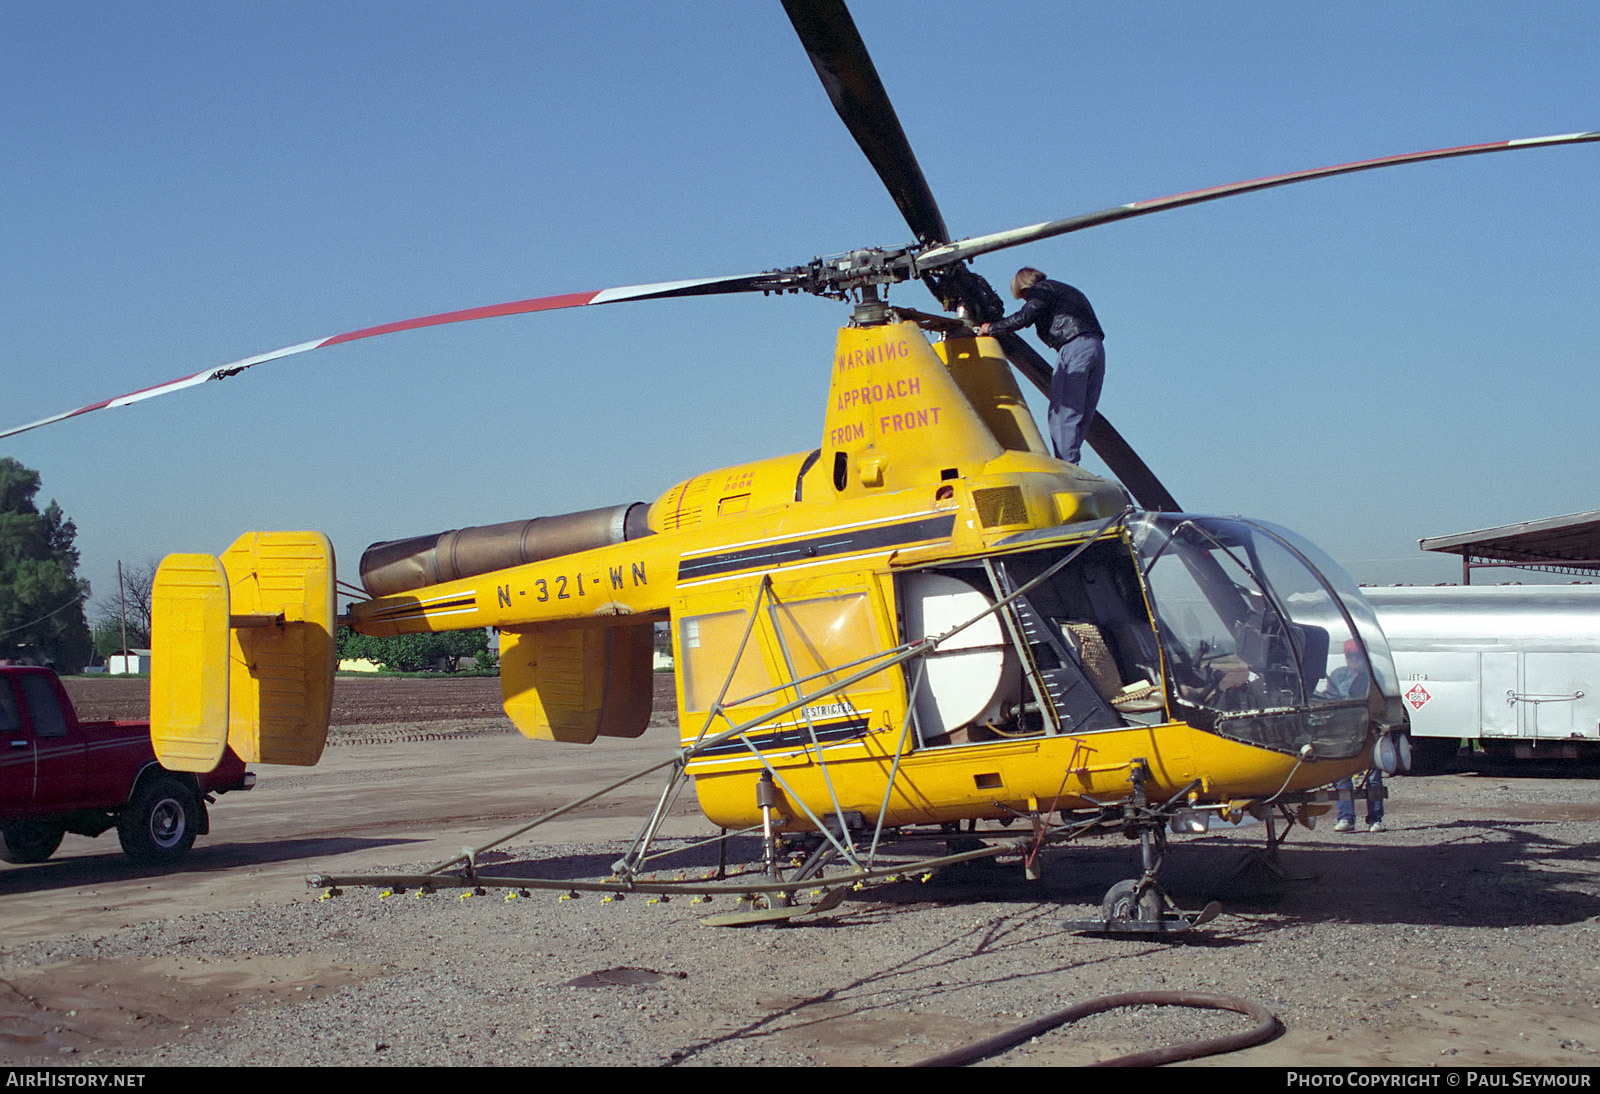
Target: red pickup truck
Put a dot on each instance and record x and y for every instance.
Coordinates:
(60, 775)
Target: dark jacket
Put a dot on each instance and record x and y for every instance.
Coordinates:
(1058, 312)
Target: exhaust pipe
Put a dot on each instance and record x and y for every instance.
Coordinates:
(401, 565)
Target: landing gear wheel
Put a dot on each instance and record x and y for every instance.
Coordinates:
(158, 827)
(1139, 906)
(1124, 912)
(1119, 902)
(26, 841)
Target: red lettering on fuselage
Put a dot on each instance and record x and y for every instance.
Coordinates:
(872, 355)
(903, 388)
(911, 419)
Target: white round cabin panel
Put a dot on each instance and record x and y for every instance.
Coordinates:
(969, 676)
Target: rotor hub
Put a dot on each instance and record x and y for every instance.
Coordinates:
(872, 310)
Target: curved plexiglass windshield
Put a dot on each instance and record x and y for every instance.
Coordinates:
(1365, 619)
(1260, 646)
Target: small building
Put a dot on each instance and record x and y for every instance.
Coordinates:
(129, 663)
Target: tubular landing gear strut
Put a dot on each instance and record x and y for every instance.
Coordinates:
(1140, 905)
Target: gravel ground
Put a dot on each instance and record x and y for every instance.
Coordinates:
(1466, 934)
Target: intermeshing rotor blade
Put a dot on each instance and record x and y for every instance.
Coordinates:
(978, 245)
(1129, 468)
(834, 45)
(848, 75)
(704, 286)
(1107, 443)
(851, 80)
(840, 57)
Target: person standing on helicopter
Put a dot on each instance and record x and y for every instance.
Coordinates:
(1064, 321)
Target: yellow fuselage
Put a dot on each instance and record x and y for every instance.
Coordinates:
(792, 569)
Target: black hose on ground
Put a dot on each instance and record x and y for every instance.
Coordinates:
(1265, 1029)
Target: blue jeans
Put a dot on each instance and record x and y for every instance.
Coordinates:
(1074, 393)
(1347, 805)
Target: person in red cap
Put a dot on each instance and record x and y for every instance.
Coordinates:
(1351, 681)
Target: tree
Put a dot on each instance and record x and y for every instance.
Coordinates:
(107, 637)
(414, 652)
(134, 598)
(41, 595)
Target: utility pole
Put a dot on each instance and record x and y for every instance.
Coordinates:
(122, 596)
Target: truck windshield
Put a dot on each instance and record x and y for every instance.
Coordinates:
(8, 708)
(1260, 646)
(48, 720)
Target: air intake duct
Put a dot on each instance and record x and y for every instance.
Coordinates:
(401, 565)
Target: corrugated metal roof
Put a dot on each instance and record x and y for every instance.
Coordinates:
(1571, 542)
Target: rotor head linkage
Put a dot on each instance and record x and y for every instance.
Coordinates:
(872, 310)
(836, 275)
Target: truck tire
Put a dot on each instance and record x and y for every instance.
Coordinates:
(26, 841)
(1433, 755)
(158, 826)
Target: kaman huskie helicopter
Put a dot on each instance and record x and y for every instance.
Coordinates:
(925, 620)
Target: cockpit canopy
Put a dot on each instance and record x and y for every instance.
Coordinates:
(1267, 639)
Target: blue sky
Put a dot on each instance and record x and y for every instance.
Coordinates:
(1369, 360)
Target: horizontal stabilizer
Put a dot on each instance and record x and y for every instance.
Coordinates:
(574, 683)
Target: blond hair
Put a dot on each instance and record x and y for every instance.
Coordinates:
(1026, 278)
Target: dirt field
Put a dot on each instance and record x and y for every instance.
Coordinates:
(358, 701)
(1465, 935)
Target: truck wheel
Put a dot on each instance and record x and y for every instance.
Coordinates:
(158, 826)
(1433, 755)
(29, 841)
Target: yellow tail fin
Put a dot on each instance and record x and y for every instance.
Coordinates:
(189, 662)
(268, 605)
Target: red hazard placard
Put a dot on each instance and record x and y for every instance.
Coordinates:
(1418, 696)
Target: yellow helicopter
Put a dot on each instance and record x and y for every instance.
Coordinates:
(926, 620)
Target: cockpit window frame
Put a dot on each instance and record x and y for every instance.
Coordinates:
(1210, 533)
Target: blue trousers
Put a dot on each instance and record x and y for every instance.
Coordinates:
(1074, 393)
(1347, 805)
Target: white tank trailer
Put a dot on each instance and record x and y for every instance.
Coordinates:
(1512, 669)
